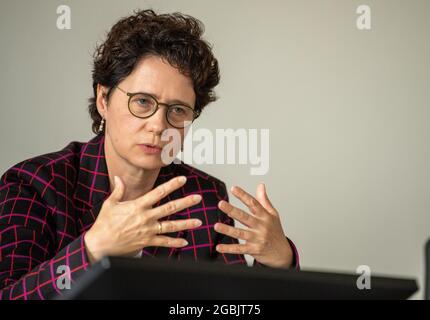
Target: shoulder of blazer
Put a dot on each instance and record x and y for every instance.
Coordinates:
(69, 154)
(39, 172)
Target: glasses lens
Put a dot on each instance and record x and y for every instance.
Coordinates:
(142, 105)
(180, 116)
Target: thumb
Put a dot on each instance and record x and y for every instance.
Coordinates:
(118, 190)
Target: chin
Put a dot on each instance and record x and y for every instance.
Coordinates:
(150, 163)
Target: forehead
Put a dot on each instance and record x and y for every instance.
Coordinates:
(154, 75)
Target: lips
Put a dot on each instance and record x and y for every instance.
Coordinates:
(150, 149)
(151, 146)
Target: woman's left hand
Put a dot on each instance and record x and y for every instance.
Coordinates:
(265, 239)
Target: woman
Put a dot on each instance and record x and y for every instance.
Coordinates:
(114, 195)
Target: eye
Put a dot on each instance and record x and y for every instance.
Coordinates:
(178, 110)
(142, 101)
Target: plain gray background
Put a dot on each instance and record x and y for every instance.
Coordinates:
(348, 111)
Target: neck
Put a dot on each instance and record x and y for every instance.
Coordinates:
(137, 181)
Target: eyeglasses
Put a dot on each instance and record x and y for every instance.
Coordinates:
(143, 105)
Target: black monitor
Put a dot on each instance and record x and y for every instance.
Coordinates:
(129, 278)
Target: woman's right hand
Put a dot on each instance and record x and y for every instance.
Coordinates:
(124, 228)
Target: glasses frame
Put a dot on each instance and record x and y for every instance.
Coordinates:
(130, 95)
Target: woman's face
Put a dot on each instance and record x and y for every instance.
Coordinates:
(125, 132)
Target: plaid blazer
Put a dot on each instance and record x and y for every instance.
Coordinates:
(48, 202)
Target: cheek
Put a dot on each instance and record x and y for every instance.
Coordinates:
(124, 133)
(124, 124)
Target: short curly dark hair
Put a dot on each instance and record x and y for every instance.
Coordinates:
(176, 37)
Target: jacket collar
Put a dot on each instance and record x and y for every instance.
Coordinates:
(93, 179)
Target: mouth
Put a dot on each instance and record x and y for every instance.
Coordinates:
(151, 148)
(149, 145)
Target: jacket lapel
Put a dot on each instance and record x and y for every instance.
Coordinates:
(92, 186)
(93, 189)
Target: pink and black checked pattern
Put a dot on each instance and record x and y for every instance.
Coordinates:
(47, 203)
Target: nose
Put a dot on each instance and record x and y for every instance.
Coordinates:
(157, 123)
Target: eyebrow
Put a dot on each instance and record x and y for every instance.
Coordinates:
(170, 102)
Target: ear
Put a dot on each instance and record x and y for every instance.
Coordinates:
(101, 100)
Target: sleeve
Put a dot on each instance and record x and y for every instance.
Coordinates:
(296, 259)
(32, 264)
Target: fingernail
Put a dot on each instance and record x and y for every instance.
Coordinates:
(182, 179)
(184, 242)
(197, 197)
(198, 223)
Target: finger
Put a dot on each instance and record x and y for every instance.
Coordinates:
(118, 191)
(235, 248)
(175, 206)
(254, 206)
(169, 242)
(177, 225)
(233, 232)
(155, 195)
(238, 214)
(264, 199)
